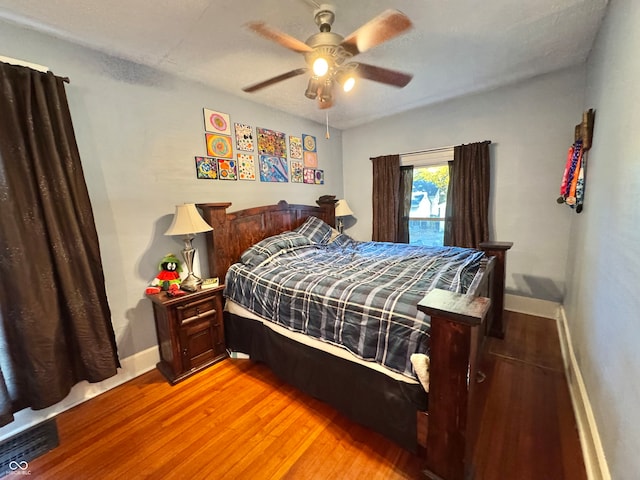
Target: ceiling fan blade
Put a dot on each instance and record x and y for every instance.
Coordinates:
(277, 36)
(271, 81)
(383, 75)
(385, 26)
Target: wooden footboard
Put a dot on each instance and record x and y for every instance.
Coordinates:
(459, 324)
(457, 329)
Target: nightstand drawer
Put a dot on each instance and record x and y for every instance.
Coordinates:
(193, 311)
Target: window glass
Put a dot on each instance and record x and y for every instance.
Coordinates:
(428, 205)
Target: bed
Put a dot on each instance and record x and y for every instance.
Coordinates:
(428, 329)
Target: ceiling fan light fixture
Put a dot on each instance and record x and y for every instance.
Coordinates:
(348, 83)
(320, 67)
(325, 93)
(312, 88)
(346, 77)
(327, 54)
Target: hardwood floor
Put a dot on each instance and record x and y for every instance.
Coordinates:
(528, 428)
(237, 420)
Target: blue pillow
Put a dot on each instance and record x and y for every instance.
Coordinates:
(315, 230)
(258, 253)
(343, 240)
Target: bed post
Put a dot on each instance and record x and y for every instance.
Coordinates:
(498, 250)
(216, 215)
(327, 204)
(456, 338)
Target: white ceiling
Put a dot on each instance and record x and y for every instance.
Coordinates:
(456, 47)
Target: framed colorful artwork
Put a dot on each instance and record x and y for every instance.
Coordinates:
(309, 143)
(295, 147)
(244, 137)
(273, 169)
(319, 177)
(296, 172)
(309, 175)
(310, 159)
(271, 143)
(228, 169)
(219, 145)
(246, 166)
(207, 168)
(216, 122)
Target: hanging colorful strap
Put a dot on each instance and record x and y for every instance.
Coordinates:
(571, 198)
(580, 186)
(577, 153)
(565, 175)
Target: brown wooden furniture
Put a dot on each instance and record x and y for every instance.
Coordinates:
(234, 232)
(498, 250)
(456, 341)
(459, 326)
(190, 332)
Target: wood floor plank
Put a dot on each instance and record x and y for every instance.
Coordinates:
(237, 420)
(534, 342)
(528, 429)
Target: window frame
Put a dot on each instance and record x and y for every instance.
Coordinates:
(426, 159)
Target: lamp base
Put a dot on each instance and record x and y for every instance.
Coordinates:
(190, 283)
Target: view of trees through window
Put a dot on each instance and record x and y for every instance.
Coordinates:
(428, 204)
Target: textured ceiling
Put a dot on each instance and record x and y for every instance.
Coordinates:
(456, 47)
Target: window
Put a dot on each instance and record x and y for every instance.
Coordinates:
(428, 196)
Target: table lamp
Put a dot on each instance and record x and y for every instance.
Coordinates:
(187, 221)
(342, 210)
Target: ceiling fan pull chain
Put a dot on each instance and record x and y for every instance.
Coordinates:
(327, 136)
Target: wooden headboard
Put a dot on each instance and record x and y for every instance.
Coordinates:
(234, 232)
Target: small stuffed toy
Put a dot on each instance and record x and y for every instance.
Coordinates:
(169, 277)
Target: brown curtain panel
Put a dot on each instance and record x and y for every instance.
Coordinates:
(406, 187)
(387, 201)
(467, 213)
(55, 316)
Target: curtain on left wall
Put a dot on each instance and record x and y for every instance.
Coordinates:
(55, 315)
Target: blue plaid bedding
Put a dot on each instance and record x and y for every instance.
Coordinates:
(361, 296)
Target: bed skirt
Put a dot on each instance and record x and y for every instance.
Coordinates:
(368, 397)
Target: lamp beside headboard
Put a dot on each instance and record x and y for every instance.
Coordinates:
(234, 232)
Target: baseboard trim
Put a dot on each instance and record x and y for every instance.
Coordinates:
(531, 306)
(132, 367)
(592, 451)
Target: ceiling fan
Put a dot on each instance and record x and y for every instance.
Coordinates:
(328, 55)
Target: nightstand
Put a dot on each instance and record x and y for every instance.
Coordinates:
(190, 332)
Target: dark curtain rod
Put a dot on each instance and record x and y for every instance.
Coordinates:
(19, 63)
(439, 149)
(429, 150)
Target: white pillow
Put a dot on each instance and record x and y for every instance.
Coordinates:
(420, 364)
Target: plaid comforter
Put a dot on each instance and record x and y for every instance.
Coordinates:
(361, 296)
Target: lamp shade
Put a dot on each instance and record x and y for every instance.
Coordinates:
(187, 221)
(342, 209)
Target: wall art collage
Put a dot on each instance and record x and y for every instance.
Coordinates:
(259, 154)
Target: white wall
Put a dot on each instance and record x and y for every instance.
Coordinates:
(531, 126)
(603, 303)
(138, 131)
